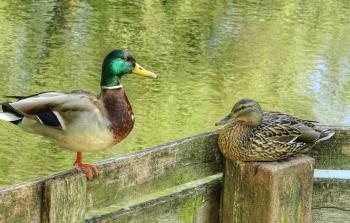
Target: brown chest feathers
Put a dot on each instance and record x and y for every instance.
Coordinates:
(235, 140)
(119, 112)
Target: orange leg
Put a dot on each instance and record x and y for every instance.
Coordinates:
(89, 169)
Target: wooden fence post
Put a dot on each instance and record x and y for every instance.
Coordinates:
(64, 199)
(268, 192)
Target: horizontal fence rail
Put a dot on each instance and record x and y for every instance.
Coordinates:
(179, 180)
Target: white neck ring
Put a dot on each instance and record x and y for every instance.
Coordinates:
(113, 87)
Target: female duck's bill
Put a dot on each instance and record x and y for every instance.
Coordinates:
(224, 120)
(257, 135)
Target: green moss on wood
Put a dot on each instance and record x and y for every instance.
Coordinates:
(175, 163)
(154, 170)
(188, 210)
(334, 153)
(178, 204)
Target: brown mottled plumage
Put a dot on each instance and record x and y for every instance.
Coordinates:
(254, 135)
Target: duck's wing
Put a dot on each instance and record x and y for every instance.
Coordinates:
(272, 150)
(47, 108)
(281, 117)
(310, 131)
(276, 142)
(279, 132)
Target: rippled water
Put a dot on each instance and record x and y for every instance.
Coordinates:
(292, 55)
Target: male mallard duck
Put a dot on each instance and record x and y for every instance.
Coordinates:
(79, 120)
(254, 135)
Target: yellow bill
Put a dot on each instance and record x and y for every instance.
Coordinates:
(143, 72)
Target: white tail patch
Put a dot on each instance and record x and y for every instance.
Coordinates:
(330, 134)
(9, 117)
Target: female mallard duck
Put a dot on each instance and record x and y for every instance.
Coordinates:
(254, 135)
(79, 120)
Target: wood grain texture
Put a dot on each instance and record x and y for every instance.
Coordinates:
(331, 201)
(21, 203)
(64, 200)
(333, 153)
(330, 215)
(268, 192)
(155, 169)
(121, 178)
(165, 166)
(193, 202)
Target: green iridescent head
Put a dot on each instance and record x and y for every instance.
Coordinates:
(118, 63)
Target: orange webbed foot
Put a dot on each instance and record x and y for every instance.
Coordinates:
(90, 170)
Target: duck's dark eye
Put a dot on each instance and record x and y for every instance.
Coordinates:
(126, 58)
(239, 109)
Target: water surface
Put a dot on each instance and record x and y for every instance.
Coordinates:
(294, 56)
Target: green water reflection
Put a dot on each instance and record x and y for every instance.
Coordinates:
(292, 55)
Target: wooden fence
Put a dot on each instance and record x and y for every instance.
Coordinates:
(180, 181)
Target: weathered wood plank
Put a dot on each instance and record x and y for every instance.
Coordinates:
(334, 153)
(265, 192)
(155, 169)
(331, 196)
(148, 171)
(193, 202)
(330, 215)
(124, 177)
(64, 200)
(21, 203)
(334, 210)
